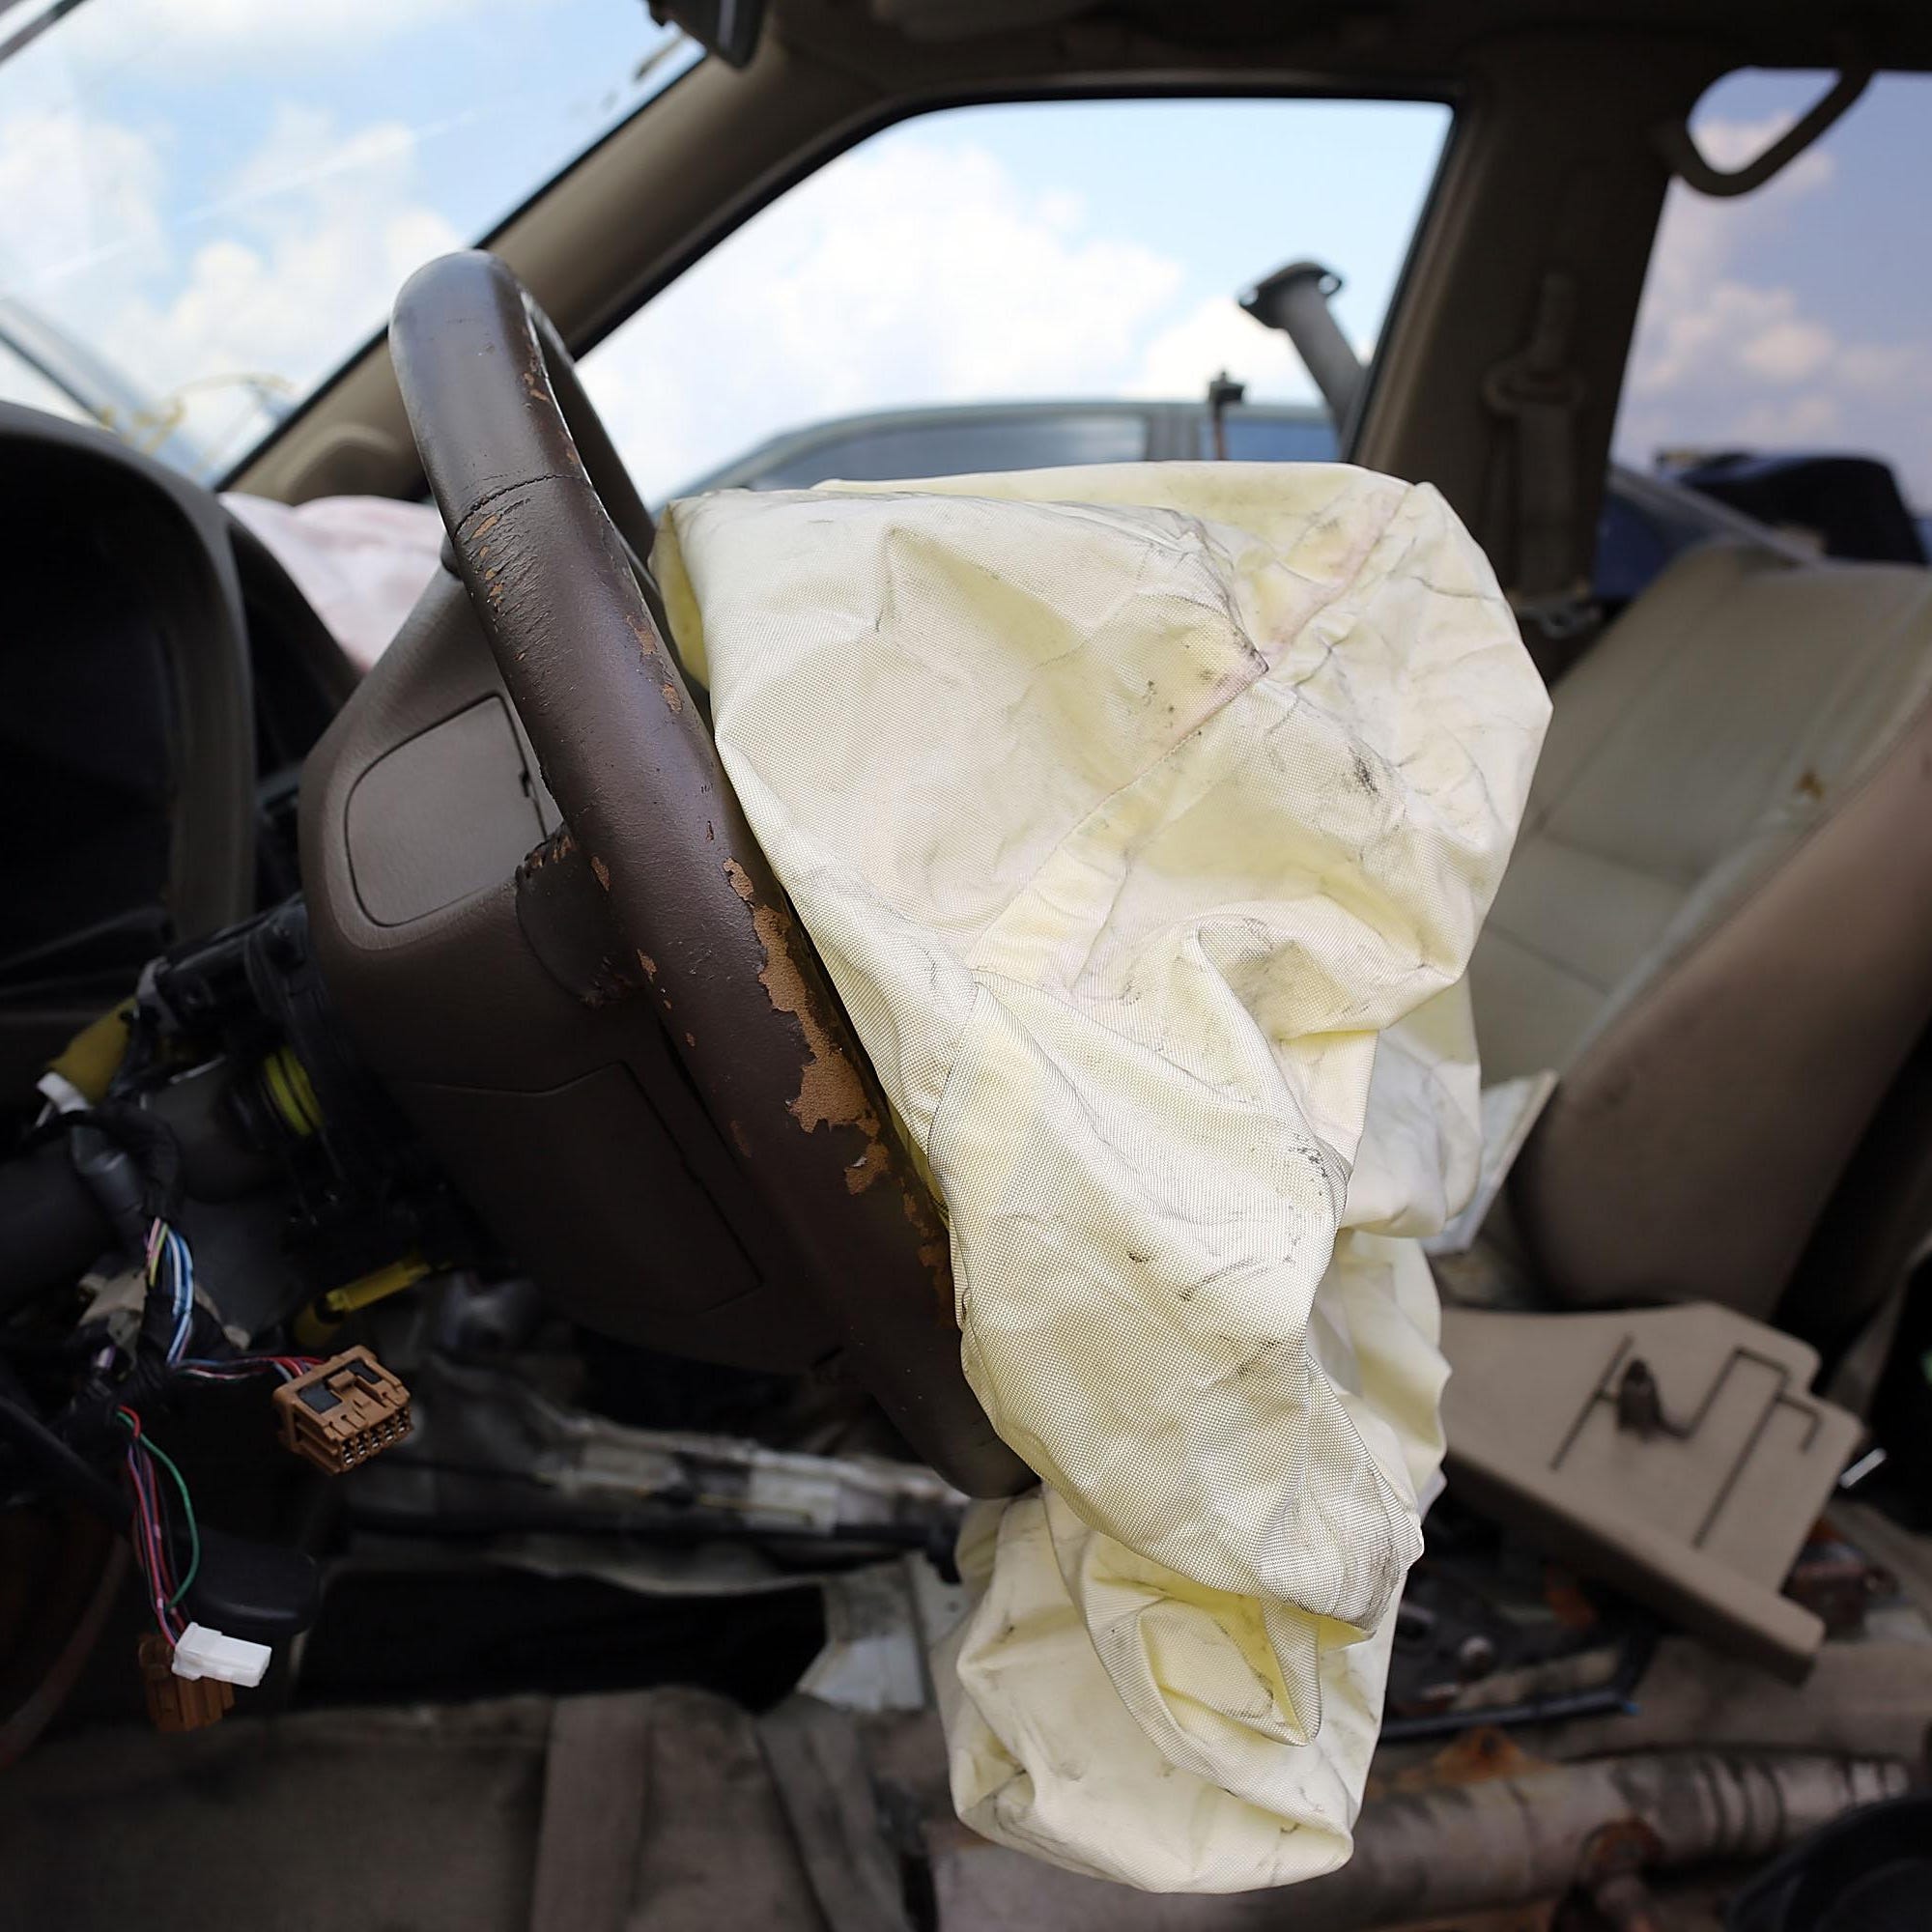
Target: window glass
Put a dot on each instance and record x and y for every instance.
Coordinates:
(21, 382)
(1793, 319)
(206, 205)
(1078, 251)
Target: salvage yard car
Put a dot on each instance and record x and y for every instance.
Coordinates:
(766, 1201)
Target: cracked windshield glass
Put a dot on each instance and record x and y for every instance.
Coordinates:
(206, 206)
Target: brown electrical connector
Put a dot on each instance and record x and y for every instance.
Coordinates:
(179, 1703)
(340, 1414)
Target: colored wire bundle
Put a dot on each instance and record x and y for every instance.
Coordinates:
(171, 1271)
(171, 1275)
(149, 1532)
(239, 1368)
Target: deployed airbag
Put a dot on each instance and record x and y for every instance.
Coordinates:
(1145, 817)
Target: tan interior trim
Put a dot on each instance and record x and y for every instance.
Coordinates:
(1696, 1502)
(1552, 170)
(1682, 1159)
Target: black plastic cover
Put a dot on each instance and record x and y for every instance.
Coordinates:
(263, 1592)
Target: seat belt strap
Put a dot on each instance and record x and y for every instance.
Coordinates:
(1539, 393)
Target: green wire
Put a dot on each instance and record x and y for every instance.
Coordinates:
(167, 1463)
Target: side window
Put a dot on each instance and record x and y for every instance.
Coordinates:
(1781, 364)
(1080, 258)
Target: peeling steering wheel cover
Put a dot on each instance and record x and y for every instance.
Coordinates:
(499, 420)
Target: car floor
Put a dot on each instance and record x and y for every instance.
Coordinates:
(676, 1809)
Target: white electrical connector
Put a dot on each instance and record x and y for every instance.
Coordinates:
(201, 1652)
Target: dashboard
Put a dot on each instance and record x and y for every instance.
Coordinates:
(171, 701)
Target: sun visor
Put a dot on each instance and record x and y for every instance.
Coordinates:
(1145, 818)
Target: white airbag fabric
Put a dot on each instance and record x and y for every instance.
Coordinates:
(1145, 818)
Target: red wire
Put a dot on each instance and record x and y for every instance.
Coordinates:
(151, 1542)
(143, 1542)
(238, 1366)
(151, 1548)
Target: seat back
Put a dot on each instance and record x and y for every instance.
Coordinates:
(1715, 924)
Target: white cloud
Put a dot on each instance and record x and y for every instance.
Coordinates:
(352, 20)
(1789, 350)
(1217, 337)
(264, 32)
(1698, 322)
(1062, 209)
(320, 229)
(330, 232)
(1719, 328)
(913, 271)
(74, 189)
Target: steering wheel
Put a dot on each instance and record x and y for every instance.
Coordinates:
(548, 533)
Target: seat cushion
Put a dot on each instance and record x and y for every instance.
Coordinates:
(1712, 924)
(1720, 720)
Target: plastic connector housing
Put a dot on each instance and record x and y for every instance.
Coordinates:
(345, 1411)
(179, 1703)
(204, 1653)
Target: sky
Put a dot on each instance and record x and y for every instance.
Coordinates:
(1800, 316)
(214, 191)
(201, 189)
(1059, 249)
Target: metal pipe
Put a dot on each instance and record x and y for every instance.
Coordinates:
(1432, 1855)
(1510, 1840)
(1296, 300)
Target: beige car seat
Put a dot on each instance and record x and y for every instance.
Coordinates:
(1716, 925)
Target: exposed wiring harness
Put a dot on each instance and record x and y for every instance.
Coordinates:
(76, 1414)
(240, 1368)
(125, 1381)
(186, 1653)
(150, 1530)
(133, 1163)
(171, 1276)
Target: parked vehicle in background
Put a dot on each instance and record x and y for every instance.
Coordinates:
(1646, 520)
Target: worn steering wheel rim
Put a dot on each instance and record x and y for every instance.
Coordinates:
(504, 428)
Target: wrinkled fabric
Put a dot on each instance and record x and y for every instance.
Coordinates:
(360, 561)
(1145, 818)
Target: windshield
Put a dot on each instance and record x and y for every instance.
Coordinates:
(207, 206)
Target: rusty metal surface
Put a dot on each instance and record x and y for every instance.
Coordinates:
(1837, 1583)
(1610, 1874)
(635, 772)
(1476, 1756)
(1430, 1857)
